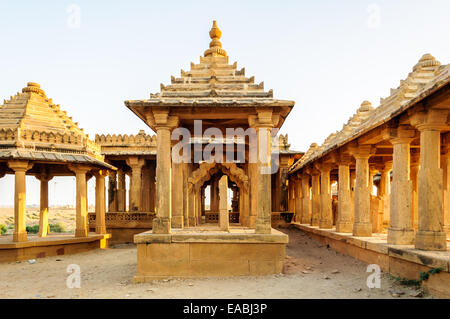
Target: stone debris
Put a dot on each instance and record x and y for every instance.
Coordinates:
(335, 271)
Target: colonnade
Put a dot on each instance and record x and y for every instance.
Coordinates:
(20, 168)
(414, 206)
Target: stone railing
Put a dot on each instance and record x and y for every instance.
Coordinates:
(213, 217)
(125, 220)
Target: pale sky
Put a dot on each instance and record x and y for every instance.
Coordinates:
(327, 56)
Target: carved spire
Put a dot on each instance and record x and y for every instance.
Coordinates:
(215, 46)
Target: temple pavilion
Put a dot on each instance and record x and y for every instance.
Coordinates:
(221, 96)
(37, 138)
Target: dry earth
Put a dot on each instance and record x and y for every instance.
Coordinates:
(312, 271)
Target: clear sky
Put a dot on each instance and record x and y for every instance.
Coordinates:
(327, 56)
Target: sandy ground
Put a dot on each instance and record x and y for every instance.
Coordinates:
(311, 271)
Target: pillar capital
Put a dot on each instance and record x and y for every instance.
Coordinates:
(20, 166)
(135, 162)
(161, 119)
(79, 169)
(429, 120)
(103, 173)
(323, 168)
(362, 151)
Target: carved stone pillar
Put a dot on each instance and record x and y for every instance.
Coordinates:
(162, 223)
(326, 213)
(298, 199)
(401, 230)
(112, 193)
(100, 225)
(315, 197)
(385, 182)
(20, 168)
(223, 204)
(362, 226)
(264, 205)
(306, 198)
(136, 165)
(344, 222)
(177, 195)
(414, 197)
(446, 196)
(121, 191)
(430, 235)
(81, 200)
(44, 178)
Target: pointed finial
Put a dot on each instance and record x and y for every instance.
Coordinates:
(215, 46)
(33, 87)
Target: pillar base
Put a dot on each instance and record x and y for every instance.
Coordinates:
(100, 230)
(177, 222)
(400, 236)
(81, 233)
(21, 236)
(252, 221)
(192, 221)
(305, 221)
(315, 222)
(447, 230)
(362, 229)
(161, 225)
(431, 240)
(325, 224)
(344, 227)
(263, 229)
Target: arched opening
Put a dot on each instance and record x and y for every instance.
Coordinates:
(203, 184)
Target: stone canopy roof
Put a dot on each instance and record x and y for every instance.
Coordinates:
(212, 82)
(32, 127)
(427, 76)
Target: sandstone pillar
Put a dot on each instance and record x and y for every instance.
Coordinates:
(136, 165)
(446, 200)
(81, 200)
(264, 206)
(121, 191)
(306, 198)
(291, 185)
(162, 223)
(326, 212)
(43, 214)
(145, 189)
(315, 197)
(100, 225)
(152, 190)
(253, 188)
(344, 220)
(298, 199)
(415, 205)
(430, 235)
(223, 204)
(362, 226)
(112, 193)
(401, 230)
(20, 168)
(385, 182)
(177, 195)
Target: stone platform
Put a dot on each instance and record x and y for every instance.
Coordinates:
(208, 252)
(52, 245)
(399, 260)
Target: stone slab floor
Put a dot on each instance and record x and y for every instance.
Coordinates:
(311, 271)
